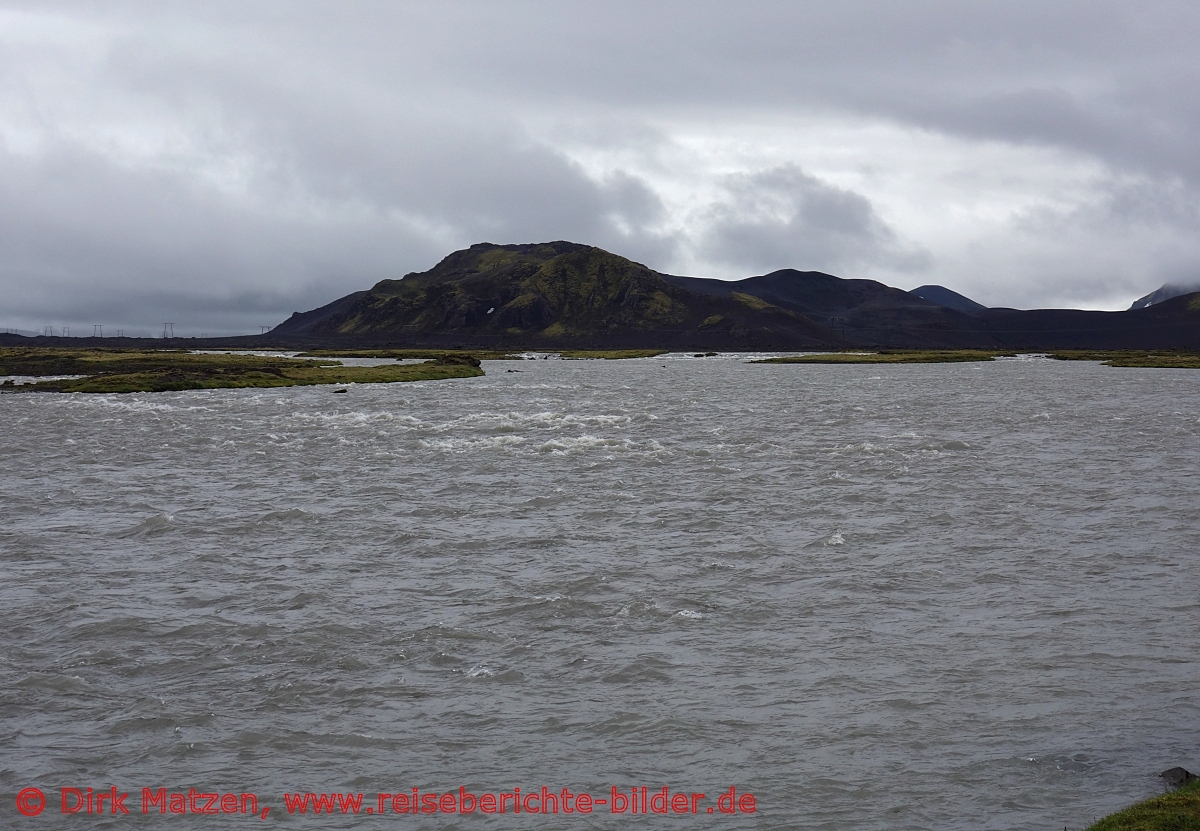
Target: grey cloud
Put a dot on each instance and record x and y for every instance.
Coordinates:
(399, 147)
(142, 312)
(1132, 235)
(88, 241)
(787, 218)
(332, 189)
(305, 150)
(320, 211)
(1050, 116)
(1106, 79)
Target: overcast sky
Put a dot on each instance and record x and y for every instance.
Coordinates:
(220, 165)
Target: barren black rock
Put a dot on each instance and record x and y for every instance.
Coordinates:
(1177, 777)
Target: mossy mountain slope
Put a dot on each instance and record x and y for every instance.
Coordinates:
(554, 295)
(563, 295)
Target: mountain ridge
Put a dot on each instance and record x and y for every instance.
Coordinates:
(948, 298)
(566, 295)
(1164, 292)
(557, 294)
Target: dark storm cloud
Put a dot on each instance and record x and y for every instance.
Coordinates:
(165, 160)
(88, 240)
(317, 208)
(1042, 71)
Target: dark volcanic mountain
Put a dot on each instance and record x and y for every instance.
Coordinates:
(1164, 292)
(950, 299)
(861, 312)
(1172, 324)
(554, 295)
(562, 295)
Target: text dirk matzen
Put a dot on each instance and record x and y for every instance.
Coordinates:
(635, 800)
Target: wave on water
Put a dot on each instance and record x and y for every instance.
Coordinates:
(150, 527)
(868, 603)
(287, 515)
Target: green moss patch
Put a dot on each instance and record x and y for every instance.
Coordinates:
(750, 300)
(1175, 811)
(1131, 357)
(410, 354)
(109, 371)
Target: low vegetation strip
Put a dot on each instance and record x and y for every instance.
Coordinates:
(52, 361)
(888, 357)
(109, 371)
(484, 354)
(1175, 811)
(1163, 360)
(402, 354)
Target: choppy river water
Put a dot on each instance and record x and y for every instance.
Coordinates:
(875, 597)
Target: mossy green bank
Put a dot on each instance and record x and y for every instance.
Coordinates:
(113, 371)
(1175, 811)
(1133, 358)
(411, 354)
(483, 354)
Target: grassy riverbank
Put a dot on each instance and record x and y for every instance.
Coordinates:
(108, 371)
(1175, 811)
(1164, 360)
(409, 354)
(487, 355)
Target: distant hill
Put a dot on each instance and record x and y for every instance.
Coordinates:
(1164, 292)
(1171, 324)
(862, 312)
(553, 295)
(561, 295)
(950, 299)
